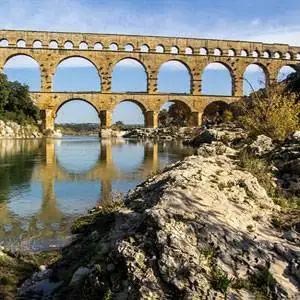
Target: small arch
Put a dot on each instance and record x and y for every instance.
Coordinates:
(129, 75)
(174, 50)
(231, 52)
(244, 53)
(175, 113)
(113, 47)
(288, 55)
(277, 55)
(267, 54)
(255, 53)
(21, 44)
(217, 52)
(255, 77)
(189, 50)
(129, 111)
(53, 45)
(37, 44)
(98, 46)
(174, 76)
(83, 46)
(4, 43)
(217, 79)
(128, 48)
(284, 72)
(298, 56)
(25, 69)
(203, 51)
(160, 49)
(68, 45)
(214, 112)
(145, 48)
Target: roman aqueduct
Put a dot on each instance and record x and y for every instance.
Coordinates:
(104, 51)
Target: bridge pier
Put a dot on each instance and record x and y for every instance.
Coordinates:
(151, 119)
(197, 118)
(105, 118)
(48, 119)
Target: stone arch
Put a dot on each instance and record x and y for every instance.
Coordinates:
(203, 51)
(113, 46)
(255, 53)
(98, 46)
(80, 61)
(65, 101)
(53, 44)
(37, 44)
(128, 47)
(182, 107)
(145, 48)
(3, 43)
(278, 55)
(255, 76)
(220, 72)
(217, 52)
(119, 111)
(68, 45)
(26, 67)
(231, 52)
(288, 55)
(189, 50)
(174, 66)
(138, 77)
(267, 54)
(285, 70)
(160, 49)
(21, 43)
(174, 50)
(214, 112)
(244, 53)
(83, 45)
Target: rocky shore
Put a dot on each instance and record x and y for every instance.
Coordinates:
(9, 129)
(204, 228)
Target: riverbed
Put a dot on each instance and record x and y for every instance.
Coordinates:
(46, 184)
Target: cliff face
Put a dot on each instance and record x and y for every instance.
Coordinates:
(202, 229)
(9, 129)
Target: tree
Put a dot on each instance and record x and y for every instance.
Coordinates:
(15, 101)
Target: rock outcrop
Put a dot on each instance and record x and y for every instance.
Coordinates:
(202, 229)
(9, 129)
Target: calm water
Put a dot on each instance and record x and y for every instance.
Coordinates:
(46, 184)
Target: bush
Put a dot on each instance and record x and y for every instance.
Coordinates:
(275, 115)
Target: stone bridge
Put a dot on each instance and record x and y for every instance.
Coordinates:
(104, 51)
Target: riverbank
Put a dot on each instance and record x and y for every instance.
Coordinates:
(202, 228)
(10, 129)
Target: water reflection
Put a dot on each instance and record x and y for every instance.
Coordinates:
(45, 184)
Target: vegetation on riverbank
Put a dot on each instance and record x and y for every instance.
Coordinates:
(16, 104)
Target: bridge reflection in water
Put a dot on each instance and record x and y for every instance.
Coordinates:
(40, 206)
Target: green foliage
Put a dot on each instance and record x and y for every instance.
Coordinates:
(178, 114)
(220, 280)
(275, 115)
(15, 102)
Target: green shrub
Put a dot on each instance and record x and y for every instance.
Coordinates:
(275, 115)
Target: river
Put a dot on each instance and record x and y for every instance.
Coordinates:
(46, 184)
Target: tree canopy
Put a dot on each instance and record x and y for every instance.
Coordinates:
(15, 102)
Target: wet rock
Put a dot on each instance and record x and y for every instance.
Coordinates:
(292, 236)
(79, 274)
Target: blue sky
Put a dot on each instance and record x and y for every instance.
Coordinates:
(264, 20)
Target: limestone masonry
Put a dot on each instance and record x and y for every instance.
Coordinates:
(104, 51)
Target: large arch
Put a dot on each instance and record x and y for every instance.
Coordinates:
(129, 112)
(175, 113)
(129, 75)
(174, 76)
(217, 79)
(76, 110)
(25, 69)
(76, 73)
(255, 77)
(213, 113)
(284, 72)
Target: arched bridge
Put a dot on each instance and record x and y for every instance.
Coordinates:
(104, 51)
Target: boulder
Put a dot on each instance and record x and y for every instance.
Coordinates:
(261, 145)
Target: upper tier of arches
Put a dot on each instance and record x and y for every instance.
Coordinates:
(170, 45)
